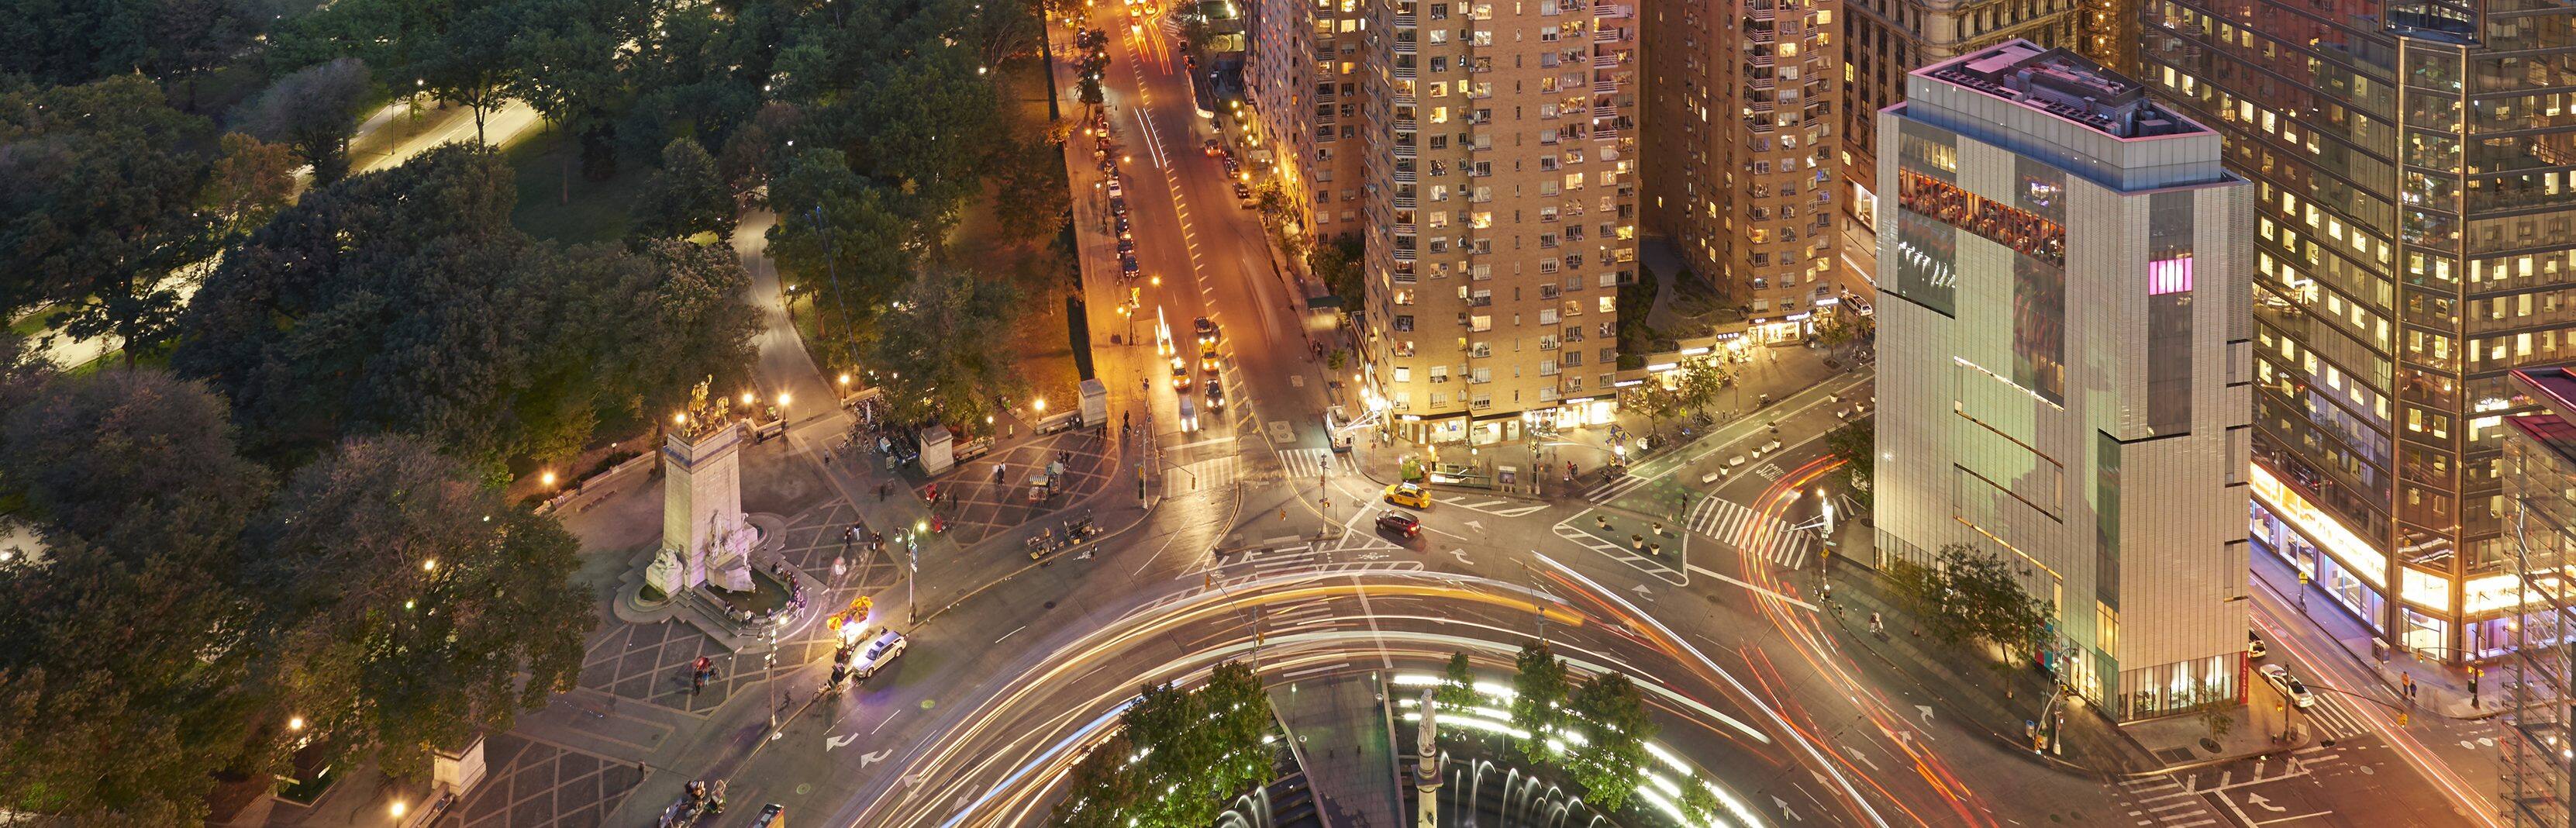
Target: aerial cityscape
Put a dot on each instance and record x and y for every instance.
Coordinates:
(1287, 413)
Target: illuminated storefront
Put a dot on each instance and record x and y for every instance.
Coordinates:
(2354, 573)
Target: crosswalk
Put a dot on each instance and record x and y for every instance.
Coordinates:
(1614, 487)
(1204, 475)
(2162, 802)
(1736, 524)
(1307, 463)
(1663, 565)
(2330, 719)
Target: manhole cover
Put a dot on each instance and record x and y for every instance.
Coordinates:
(804, 789)
(929, 703)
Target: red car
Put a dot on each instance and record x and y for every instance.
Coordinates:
(1401, 524)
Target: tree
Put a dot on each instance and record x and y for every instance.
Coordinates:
(2215, 707)
(124, 687)
(100, 203)
(928, 125)
(1539, 688)
(68, 42)
(1032, 195)
(1966, 594)
(314, 111)
(1700, 381)
(682, 318)
(404, 301)
(1856, 445)
(947, 345)
(124, 672)
(137, 462)
(1458, 683)
(1658, 402)
(1701, 803)
(685, 197)
(1199, 749)
(1337, 264)
(410, 606)
(251, 180)
(469, 62)
(1615, 728)
(844, 235)
(568, 61)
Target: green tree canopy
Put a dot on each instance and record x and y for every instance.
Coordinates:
(137, 462)
(1613, 720)
(100, 193)
(1201, 748)
(686, 196)
(412, 607)
(1539, 689)
(1965, 594)
(314, 111)
(946, 348)
(1457, 683)
(403, 301)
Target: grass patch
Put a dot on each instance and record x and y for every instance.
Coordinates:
(596, 211)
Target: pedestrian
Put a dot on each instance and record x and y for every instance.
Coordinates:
(697, 684)
(1875, 627)
(2410, 685)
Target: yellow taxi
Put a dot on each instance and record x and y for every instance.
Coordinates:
(1409, 494)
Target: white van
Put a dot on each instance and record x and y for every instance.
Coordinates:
(1189, 415)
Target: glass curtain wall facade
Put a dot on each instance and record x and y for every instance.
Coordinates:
(2540, 520)
(2416, 239)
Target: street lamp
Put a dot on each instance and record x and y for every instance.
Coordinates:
(1039, 404)
(547, 479)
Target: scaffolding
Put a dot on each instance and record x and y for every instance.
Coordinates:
(2535, 747)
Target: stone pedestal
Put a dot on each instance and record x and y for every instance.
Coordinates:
(703, 533)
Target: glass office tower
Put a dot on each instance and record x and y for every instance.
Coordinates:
(2415, 240)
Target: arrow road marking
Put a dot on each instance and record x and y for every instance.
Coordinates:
(964, 798)
(866, 759)
(831, 742)
(1642, 592)
(1462, 556)
(1784, 809)
(1476, 525)
(2258, 801)
(1927, 712)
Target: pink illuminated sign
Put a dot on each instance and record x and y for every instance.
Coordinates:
(2169, 276)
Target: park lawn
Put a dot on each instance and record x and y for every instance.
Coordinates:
(597, 210)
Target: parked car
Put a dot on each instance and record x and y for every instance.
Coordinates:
(1116, 190)
(1400, 524)
(1118, 205)
(1242, 192)
(879, 653)
(1409, 494)
(1127, 265)
(1127, 247)
(2254, 648)
(1124, 231)
(2289, 685)
(1210, 147)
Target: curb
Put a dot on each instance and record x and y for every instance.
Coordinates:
(2014, 746)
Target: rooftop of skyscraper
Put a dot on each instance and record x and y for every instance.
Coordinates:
(2063, 84)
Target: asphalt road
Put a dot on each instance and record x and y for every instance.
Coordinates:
(1256, 529)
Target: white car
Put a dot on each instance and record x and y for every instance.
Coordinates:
(879, 653)
(1116, 190)
(2289, 685)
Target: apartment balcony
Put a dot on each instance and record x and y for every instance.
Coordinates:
(1613, 11)
(1403, 176)
(1609, 61)
(1761, 61)
(1605, 87)
(1406, 21)
(1406, 125)
(1403, 151)
(1404, 229)
(1404, 47)
(1401, 255)
(1762, 36)
(1605, 112)
(1402, 72)
(1609, 35)
(1404, 202)
(1765, 83)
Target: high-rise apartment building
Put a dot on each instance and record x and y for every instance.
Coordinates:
(1303, 76)
(2063, 317)
(1741, 138)
(1501, 200)
(2540, 528)
(1885, 40)
(2416, 240)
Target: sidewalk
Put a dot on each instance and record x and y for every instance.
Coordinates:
(1997, 702)
(2439, 688)
(1778, 371)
